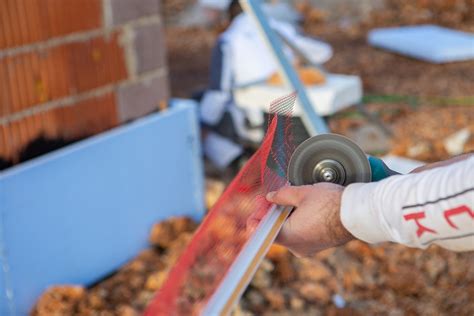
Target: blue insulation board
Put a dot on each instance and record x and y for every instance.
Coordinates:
(430, 43)
(79, 213)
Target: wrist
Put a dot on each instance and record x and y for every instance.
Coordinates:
(337, 232)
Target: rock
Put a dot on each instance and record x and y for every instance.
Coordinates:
(255, 299)
(214, 189)
(371, 139)
(456, 271)
(282, 259)
(419, 150)
(156, 280)
(322, 255)
(164, 233)
(176, 247)
(353, 276)
(359, 249)
(284, 270)
(126, 310)
(240, 311)
(338, 301)
(406, 280)
(296, 303)
(434, 266)
(136, 266)
(95, 300)
(314, 270)
(58, 301)
(263, 278)
(143, 299)
(315, 292)
(161, 235)
(454, 143)
(277, 252)
(182, 225)
(346, 311)
(275, 298)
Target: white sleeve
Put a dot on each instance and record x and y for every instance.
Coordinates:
(431, 207)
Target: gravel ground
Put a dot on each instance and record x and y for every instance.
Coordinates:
(356, 279)
(382, 72)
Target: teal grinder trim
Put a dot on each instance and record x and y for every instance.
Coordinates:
(379, 169)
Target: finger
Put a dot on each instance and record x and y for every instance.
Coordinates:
(288, 196)
(261, 209)
(255, 217)
(286, 235)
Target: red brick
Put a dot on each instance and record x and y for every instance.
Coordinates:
(29, 21)
(95, 62)
(37, 77)
(49, 126)
(88, 117)
(82, 119)
(15, 84)
(6, 33)
(4, 145)
(5, 99)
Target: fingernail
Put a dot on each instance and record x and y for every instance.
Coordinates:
(270, 196)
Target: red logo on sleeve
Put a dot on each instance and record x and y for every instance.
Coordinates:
(421, 228)
(456, 211)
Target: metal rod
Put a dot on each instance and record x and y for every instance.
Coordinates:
(299, 52)
(243, 268)
(312, 121)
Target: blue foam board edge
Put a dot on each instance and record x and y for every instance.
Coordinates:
(77, 214)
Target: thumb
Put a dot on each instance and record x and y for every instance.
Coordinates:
(287, 196)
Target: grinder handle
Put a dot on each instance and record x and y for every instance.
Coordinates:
(379, 169)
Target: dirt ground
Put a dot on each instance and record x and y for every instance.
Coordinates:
(357, 279)
(421, 102)
(404, 91)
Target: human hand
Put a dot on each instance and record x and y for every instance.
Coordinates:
(315, 224)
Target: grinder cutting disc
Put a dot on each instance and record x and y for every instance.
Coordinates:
(328, 158)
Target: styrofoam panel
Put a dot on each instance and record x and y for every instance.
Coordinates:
(77, 214)
(430, 43)
(337, 93)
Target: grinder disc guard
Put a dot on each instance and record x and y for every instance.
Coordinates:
(328, 158)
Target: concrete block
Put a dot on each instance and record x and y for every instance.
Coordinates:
(138, 99)
(150, 49)
(127, 10)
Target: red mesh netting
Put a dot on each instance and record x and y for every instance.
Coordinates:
(226, 228)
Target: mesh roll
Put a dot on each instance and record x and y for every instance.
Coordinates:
(230, 223)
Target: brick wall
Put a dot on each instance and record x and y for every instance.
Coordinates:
(73, 68)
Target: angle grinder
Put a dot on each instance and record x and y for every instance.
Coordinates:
(336, 159)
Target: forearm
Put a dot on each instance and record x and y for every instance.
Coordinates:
(433, 206)
(443, 163)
